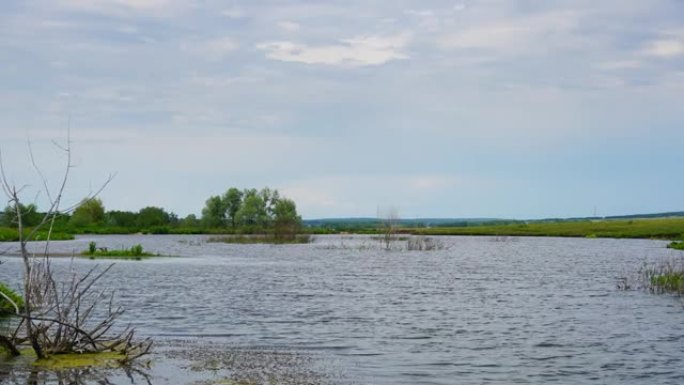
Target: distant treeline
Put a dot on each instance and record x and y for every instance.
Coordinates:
(244, 211)
(252, 211)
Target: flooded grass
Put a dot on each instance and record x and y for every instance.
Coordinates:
(668, 228)
(135, 253)
(663, 277)
(261, 238)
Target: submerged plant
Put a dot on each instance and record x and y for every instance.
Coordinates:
(420, 243)
(664, 277)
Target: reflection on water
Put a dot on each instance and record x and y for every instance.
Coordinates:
(342, 310)
(35, 376)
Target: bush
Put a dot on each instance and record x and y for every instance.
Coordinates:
(137, 250)
(5, 306)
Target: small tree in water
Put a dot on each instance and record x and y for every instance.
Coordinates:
(389, 219)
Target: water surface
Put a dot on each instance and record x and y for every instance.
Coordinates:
(481, 310)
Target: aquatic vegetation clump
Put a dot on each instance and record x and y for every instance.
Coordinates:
(261, 238)
(676, 245)
(420, 243)
(136, 252)
(664, 277)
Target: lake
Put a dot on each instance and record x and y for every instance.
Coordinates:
(342, 310)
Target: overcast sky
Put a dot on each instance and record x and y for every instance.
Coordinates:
(480, 108)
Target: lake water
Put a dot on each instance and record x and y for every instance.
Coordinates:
(342, 310)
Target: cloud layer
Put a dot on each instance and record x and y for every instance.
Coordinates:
(473, 108)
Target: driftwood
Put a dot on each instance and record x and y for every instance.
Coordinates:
(63, 315)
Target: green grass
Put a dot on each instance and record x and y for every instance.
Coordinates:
(260, 238)
(666, 228)
(664, 277)
(672, 282)
(676, 245)
(134, 253)
(5, 306)
(12, 235)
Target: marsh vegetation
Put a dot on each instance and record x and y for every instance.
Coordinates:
(135, 252)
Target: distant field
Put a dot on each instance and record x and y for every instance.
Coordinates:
(665, 228)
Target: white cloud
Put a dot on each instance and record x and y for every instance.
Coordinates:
(353, 52)
(213, 49)
(619, 65)
(420, 12)
(219, 81)
(234, 13)
(138, 5)
(671, 45)
(511, 35)
(289, 26)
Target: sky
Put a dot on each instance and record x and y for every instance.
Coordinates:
(474, 108)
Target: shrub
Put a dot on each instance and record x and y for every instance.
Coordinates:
(137, 250)
(5, 306)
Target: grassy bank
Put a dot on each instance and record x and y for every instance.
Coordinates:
(12, 235)
(667, 228)
(676, 245)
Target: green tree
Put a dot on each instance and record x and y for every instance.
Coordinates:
(286, 221)
(29, 216)
(253, 212)
(189, 221)
(232, 201)
(270, 198)
(89, 212)
(152, 216)
(125, 219)
(214, 212)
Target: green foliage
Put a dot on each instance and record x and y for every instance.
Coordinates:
(253, 212)
(121, 219)
(89, 212)
(29, 216)
(5, 306)
(157, 230)
(260, 238)
(12, 235)
(236, 211)
(136, 252)
(8, 235)
(152, 217)
(665, 228)
(214, 212)
(287, 222)
(232, 201)
(189, 222)
(676, 245)
(670, 283)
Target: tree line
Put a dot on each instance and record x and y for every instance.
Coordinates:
(236, 211)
